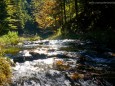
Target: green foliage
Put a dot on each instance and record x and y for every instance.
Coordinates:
(9, 39)
(5, 72)
(56, 35)
(11, 50)
(13, 15)
(3, 14)
(31, 38)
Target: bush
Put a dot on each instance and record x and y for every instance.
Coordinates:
(5, 71)
(10, 38)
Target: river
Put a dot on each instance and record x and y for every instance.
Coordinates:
(63, 63)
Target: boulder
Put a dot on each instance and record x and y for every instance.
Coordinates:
(23, 56)
(38, 55)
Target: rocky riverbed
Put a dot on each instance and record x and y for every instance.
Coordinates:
(63, 63)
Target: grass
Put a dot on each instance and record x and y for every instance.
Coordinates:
(30, 38)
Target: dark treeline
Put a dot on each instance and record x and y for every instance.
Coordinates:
(88, 18)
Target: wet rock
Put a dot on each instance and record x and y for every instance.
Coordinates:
(37, 55)
(65, 65)
(75, 76)
(27, 42)
(61, 65)
(30, 46)
(110, 54)
(23, 56)
(88, 83)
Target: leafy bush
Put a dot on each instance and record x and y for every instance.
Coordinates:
(10, 38)
(5, 71)
(1, 50)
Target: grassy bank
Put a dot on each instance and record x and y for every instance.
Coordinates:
(7, 45)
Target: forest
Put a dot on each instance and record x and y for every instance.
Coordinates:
(22, 21)
(44, 17)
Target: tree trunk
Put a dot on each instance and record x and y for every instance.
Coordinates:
(64, 6)
(76, 7)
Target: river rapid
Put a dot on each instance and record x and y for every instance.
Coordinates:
(63, 63)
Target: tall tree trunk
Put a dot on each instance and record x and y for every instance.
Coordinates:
(64, 9)
(70, 9)
(76, 7)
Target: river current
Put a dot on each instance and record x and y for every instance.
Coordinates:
(63, 63)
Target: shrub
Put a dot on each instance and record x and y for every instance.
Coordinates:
(5, 71)
(10, 38)
(1, 50)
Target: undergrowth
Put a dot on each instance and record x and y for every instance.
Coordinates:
(11, 38)
(5, 72)
(56, 35)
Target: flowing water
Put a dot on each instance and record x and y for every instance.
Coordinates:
(63, 63)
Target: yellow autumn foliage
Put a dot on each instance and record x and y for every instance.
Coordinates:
(5, 72)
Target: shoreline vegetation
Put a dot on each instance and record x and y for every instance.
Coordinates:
(8, 44)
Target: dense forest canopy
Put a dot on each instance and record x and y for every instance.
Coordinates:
(71, 16)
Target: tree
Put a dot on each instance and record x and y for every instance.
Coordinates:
(3, 15)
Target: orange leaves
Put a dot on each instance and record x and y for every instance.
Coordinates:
(59, 62)
(61, 65)
(75, 76)
(45, 16)
(50, 3)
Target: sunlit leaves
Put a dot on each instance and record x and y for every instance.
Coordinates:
(45, 14)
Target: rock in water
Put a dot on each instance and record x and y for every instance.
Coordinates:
(23, 56)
